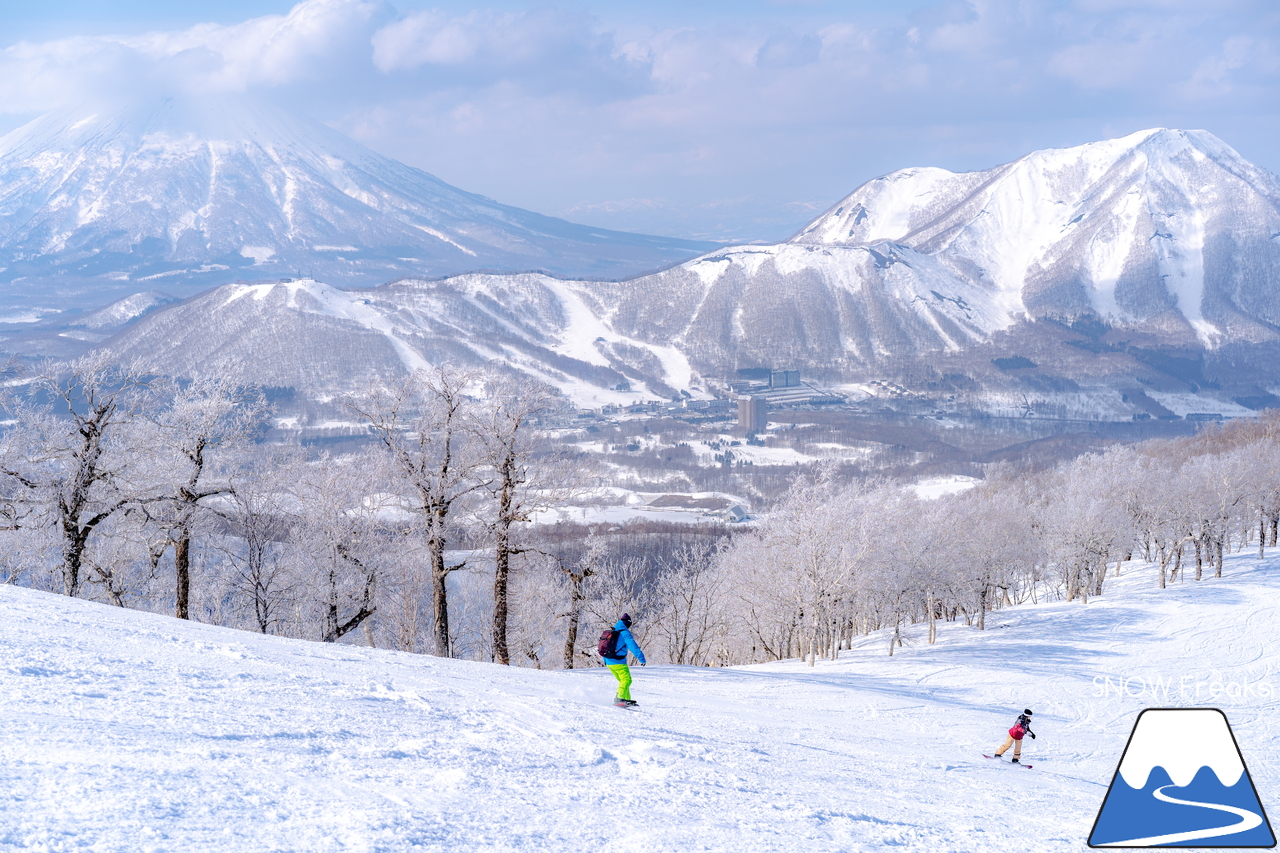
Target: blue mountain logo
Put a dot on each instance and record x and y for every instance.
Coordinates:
(1182, 783)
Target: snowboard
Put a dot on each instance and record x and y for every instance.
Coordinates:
(999, 758)
(626, 707)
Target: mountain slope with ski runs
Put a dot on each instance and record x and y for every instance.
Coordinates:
(1119, 269)
(192, 192)
(129, 731)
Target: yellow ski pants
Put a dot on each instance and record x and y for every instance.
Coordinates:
(622, 672)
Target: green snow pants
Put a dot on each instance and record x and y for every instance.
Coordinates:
(622, 672)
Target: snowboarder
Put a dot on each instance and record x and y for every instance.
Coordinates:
(616, 660)
(1020, 729)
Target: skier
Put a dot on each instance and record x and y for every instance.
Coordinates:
(616, 660)
(1020, 729)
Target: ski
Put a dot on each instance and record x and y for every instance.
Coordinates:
(999, 758)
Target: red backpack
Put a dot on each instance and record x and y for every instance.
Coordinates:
(608, 645)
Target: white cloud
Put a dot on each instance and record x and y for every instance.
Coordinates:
(564, 109)
(272, 50)
(421, 38)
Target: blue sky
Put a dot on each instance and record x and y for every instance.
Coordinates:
(732, 120)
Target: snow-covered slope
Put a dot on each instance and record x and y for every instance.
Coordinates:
(127, 731)
(321, 340)
(123, 311)
(219, 187)
(829, 309)
(1169, 227)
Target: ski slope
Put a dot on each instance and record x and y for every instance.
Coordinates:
(126, 731)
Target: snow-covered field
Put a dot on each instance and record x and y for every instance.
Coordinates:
(126, 731)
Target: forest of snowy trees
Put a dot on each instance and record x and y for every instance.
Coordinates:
(142, 492)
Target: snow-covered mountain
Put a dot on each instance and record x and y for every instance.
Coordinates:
(1168, 228)
(1147, 262)
(192, 192)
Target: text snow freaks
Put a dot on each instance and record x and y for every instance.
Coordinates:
(1155, 687)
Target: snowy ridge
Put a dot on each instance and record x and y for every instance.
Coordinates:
(317, 298)
(123, 311)
(917, 281)
(1155, 222)
(312, 336)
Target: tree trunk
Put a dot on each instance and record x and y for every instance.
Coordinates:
(501, 577)
(508, 472)
(182, 571)
(261, 606)
(335, 629)
(440, 602)
(1199, 558)
(575, 617)
(72, 553)
(1217, 573)
(1262, 534)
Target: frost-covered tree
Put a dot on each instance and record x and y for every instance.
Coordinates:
(1085, 521)
(190, 441)
(427, 429)
(70, 461)
(576, 561)
(340, 540)
(689, 607)
(797, 576)
(1221, 489)
(521, 474)
(259, 513)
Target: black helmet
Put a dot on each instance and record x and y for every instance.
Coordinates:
(1027, 711)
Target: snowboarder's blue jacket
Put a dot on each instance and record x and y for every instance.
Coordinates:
(625, 643)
